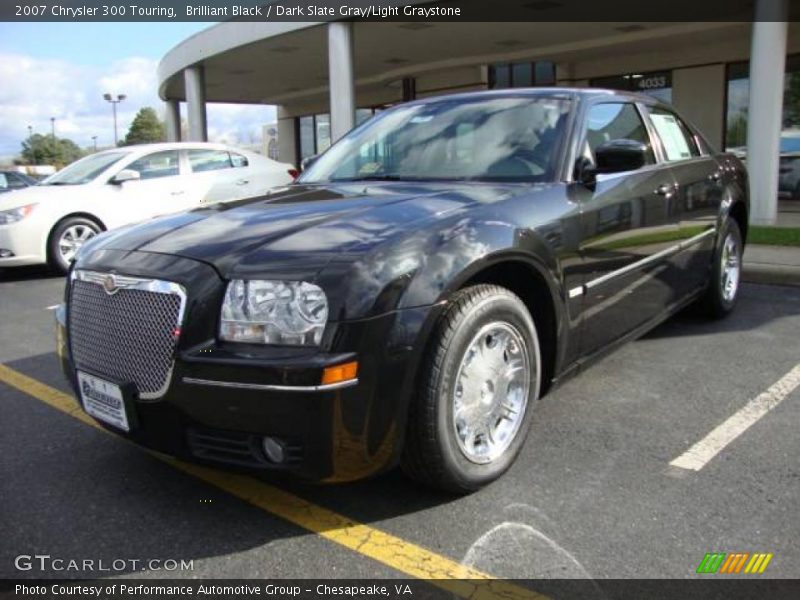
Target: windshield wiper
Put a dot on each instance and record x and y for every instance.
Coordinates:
(59, 183)
(373, 178)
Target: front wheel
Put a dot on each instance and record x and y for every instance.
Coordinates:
(726, 271)
(66, 239)
(480, 381)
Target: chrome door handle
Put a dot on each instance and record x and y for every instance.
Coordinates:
(177, 193)
(243, 182)
(665, 189)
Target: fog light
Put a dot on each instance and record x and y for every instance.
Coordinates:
(274, 449)
(6, 253)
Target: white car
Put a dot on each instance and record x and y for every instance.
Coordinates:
(49, 222)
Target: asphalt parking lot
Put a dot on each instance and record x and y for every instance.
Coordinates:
(592, 496)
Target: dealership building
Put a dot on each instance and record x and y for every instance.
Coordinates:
(737, 80)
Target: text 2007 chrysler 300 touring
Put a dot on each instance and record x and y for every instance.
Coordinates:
(413, 294)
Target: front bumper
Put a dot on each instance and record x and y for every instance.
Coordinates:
(23, 241)
(224, 398)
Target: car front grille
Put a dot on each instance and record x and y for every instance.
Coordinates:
(125, 328)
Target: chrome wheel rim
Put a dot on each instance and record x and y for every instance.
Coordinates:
(731, 267)
(72, 239)
(491, 391)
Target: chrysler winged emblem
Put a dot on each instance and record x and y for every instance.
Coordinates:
(110, 285)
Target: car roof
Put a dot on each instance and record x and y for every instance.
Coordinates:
(566, 92)
(173, 146)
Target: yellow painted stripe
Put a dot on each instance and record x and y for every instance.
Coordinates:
(390, 550)
(764, 564)
(757, 564)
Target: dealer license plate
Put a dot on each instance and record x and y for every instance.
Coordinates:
(103, 400)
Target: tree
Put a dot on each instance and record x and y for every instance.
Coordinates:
(49, 150)
(145, 129)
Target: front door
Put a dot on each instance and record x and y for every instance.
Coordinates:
(628, 225)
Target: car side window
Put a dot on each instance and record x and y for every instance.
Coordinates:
(238, 160)
(209, 160)
(3, 181)
(15, 182)
(677, 140)
(615, 121)
(157, 164)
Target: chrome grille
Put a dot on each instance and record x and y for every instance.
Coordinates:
(124, 328)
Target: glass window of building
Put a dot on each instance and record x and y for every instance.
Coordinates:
(738, 98)
(308, 146)
(522, 74)
(657, 83)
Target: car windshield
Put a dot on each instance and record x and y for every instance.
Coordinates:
(497, 139)
(85, 169)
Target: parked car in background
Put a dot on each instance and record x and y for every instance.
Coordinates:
(12, 180)
(789, 174)
(413, 294)
(49, 222)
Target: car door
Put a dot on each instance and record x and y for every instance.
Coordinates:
(627, 224)
(160, 189)
(697, 198)
(215, 177)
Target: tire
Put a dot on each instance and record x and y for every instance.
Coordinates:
(485, 330)
(726, 270)
(72, 233)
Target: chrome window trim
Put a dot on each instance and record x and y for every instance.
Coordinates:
(582, 289)
(156, 286)
(271, 387)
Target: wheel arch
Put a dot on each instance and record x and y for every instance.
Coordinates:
(72, 215)
(528, 281)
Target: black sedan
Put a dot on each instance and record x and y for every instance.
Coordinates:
(417, 290)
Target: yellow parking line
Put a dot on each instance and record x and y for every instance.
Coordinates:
(392, 551)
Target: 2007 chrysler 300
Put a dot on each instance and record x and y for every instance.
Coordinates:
(413, 294)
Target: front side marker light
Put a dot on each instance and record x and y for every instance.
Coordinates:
(340, 373)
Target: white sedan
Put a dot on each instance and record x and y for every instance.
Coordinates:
(49, 222)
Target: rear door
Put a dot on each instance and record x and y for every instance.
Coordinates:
(218, 175)
(627, 225)
(697, 198)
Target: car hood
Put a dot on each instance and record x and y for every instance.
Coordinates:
(37, 194)
(296, 230)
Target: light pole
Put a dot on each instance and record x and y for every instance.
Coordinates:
(94, 139)
(53, 127)
(30, 143)
(114, 102)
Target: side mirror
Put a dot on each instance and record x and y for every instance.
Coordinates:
(586, 172)
(307, 162)
(126, 175)
(617, 156)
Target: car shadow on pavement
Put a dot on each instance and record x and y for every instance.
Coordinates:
(28, 273)
(758, 306)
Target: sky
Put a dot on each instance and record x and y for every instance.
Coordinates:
(62, 70)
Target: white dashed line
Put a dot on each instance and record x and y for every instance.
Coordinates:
(698, 456)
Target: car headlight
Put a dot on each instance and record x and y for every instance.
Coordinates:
(15, 214)
(290, 313)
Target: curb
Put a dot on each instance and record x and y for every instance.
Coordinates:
(771, 274)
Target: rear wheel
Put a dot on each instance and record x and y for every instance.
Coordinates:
(67, 238)
(726, 271)
(480, 381)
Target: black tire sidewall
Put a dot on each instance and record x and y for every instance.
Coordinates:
(497, 307)
(54, 258)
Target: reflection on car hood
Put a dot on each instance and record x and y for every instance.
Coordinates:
(299, 224)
